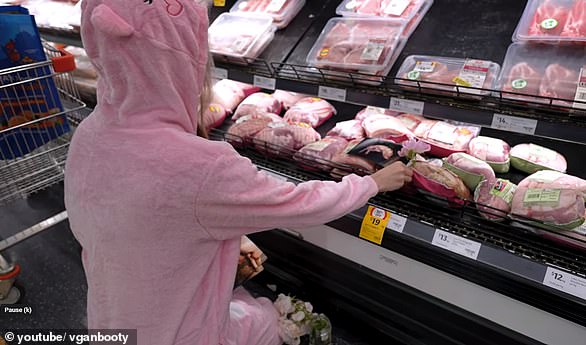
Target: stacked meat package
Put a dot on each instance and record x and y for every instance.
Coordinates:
(282, 11)
(364, 44)
(547, 57)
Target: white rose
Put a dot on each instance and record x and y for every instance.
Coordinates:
(284, 305)
(309, 307)
(298, 316)
(289, 332)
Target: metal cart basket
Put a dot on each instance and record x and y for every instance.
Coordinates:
(39, 109)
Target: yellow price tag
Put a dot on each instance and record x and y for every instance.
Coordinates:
(461, 82)
(374, 224)
(219, 3)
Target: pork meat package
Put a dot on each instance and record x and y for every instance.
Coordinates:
(247, 127)
(553, 21)
(409, 11)
(320, 153)
(257, 103)
(240, 38)
(493, 199)
(544, 70)
(439, 181)
(468, 75)
(282, 139)
(493, 151)
(282, 11)
(531, 158)
(470, 169)
(310, 110)
(362, 45)
(551, 197)
(229, 93)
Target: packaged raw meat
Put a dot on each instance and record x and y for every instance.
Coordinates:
(288, 98)
(547, 178)
(440, 182)
(214, 116)
(348, 130)
(282, 139)
(229, 93)
(379, 151)
(552, 205)
(311, 110)
(355, 164)
(365, 45)
(282, 11)
(493, 200)
(370, 110)
(412, 122)
(493, 151)
(470, 169)
(240, 37)
(445, 138)
(386, 127)
(531, 158)
(396, 9)
(546, 71)
(246, 128)
(552, 21)
(320, 153)
(464, 73)
(257, 103)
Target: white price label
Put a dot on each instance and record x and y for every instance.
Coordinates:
(566, 282)
(396, 7)
(396, 223)
(456, 244)
(580, 98)
(406, 106)
(514, 124)
(219, 73)
(332, 93)
(264, 82)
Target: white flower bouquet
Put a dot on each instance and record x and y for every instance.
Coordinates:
(297, 320)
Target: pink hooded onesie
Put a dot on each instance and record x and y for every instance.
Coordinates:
(159, 211)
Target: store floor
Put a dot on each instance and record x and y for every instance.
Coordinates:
(52, 280)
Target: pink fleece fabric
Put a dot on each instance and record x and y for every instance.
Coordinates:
(159, 211)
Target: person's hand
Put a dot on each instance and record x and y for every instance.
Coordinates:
(392, 177)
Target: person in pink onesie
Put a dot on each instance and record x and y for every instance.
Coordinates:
(158, 210)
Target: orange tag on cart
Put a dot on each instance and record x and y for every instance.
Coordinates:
(219, 3)
(374, 224)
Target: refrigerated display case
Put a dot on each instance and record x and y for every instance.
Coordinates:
(434, 274)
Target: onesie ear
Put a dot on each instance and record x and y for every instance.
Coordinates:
(108, 22)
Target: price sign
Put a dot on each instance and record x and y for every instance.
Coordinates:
(219, 73)
(397, 223)
(456, 244)
(332, 93)
(566, 282)
(374, 224)
(219, 3)
(264, 83)
(406, 106)
(514, 124)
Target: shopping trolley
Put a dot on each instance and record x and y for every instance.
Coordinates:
(34, 140)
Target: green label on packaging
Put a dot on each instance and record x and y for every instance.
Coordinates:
(519, 84)
(413, 75)
(549, 23)
(504, 189)
(542, 196)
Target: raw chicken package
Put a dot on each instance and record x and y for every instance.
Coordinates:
(440, 182)
(282, 11)
(370, 110)
(493, 151)
(318, 155)
(386, 127)
(463, 75)
(470, 169)
(311, 110)
(551, 199)
(240, 38)
(531, 158)
(493, 200)
(409, 11)
(349, 130)
(443, 137)
(364, 45)
(282, 139)
(288, 98)
(359, 164)
(229, 93)
(257, 103)
(550, 72)
(246, 128)
(214, 116)
(552, 21)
